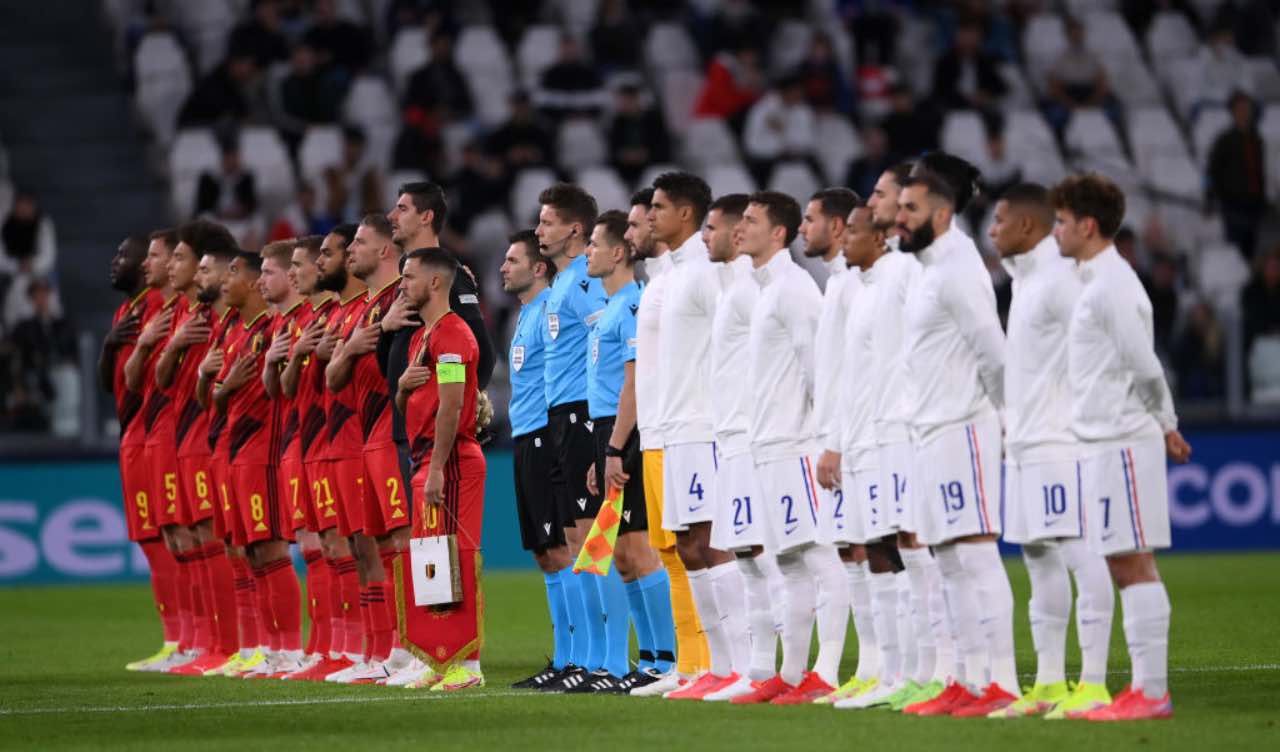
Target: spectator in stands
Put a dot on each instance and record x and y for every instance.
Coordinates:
(41, 341)
(615, 45)
(1199, 355)
(1163, 291)
(228, 195)
(1126, 242)
(1238, 175)
(28, 238)
(733, 23)
(872, 163)
(637, 135)
(732, 84)
(345, 45)
(874, 27)
(438, 92)
(480, 185)
(307, 95)
(912, 127)
(354, 184)
(1253, 24)
(230, 94)
(523, 140)
(966, 77)
(260, 35)
(1223, 71)
(1078, 80)
(825, 85)
(781, 124)
(570, 86)
(1140, 13)
(1260, 299)
(302, 217)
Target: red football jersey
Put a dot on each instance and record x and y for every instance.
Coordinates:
(449, 343)
(372, 400)
(310, 396)
(129, 404)
(341, 432)
(191, 424)
(223, 332)
(286, 408)
(158, 417)
(251, 427)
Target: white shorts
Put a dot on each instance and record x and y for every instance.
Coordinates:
(897, 463)
(860, 487)
(789, 491)
(834, 516)
(867, 503)
(1042, 501)
(959, 488)
(738, 524)
(688, 485)
(1126, 493)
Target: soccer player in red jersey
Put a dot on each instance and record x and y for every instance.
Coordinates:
(193, 274)
(438, 393)
(254, 488)
(383, 528)
(136, 311)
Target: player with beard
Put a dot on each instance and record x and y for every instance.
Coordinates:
(176, 373)
(142, 303)
(955, 360)
(691, 646)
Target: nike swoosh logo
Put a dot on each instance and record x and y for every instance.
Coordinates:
(791, 529)
(740, 530)
(1108, 536)
(694, 509)
(1051, 523)
(952, 520)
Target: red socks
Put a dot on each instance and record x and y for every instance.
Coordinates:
(222, 597)
(246, 603)
(284, 598)
(319, 604)
(348, 605)
(201, 615)
(380, 630)
(164, 573)
(182, 593)
(388, 566)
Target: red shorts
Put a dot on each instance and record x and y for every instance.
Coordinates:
(385, 497)
(348, 481)
(462, 512)
(197, 492)
(137, 483)
(294, 493)
(163, 465)
(256, 499)
(321, 508)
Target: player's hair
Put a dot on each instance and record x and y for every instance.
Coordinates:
(378, 223)
(208, 238)
(901, 171)
(311, 243)
(1091, 195)
(686, 188)
(436, 259)
(426, 195)
(642, 197)
(532, 249)
(615, 230)
(347, 231)
(1032, 197)
(730, 204)
(571, 203)
(280, 251)
(959, 173)
(251, 261)
(168, 236)
(782, 210)
(836, 203)
(935, 185)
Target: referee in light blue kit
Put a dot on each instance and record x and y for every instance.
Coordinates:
(611, 404)
(527, 274)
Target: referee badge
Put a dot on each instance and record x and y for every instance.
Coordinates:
(517, 357)
(595, 349)
(553, 325)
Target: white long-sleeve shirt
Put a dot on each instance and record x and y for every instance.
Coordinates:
(648, 366)
(857, 392)
(684, 347)
(731, 395)
(827, 350)
(1118, 388)
(783, 326)
(893, 277)
(955, 347)
(1037, 391)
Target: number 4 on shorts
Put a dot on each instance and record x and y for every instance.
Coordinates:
(695, 488)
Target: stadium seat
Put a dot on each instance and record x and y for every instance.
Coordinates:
(790, 46)
(408, 53)
(603, 183)
(1269, 123)
(725, 179)
(1174, 175)
(1266, 79)
(1206, 9)
(578, 15)
(206, 25)
(1020, 94)
(538, 49)
(6, 197)
(486, 247)
(163, 83)
(964, 134)
(836, 144)
(678, 92)
(1210, 124)
(580, 143)
(370, 105)
(393, 181)
(1107, 34)
(265, 155)
(668, 46)
(1170, 37)
(1084, 7)
(1029, 127)
(321, 147)
(652, 172)
(1091, 134)
(1153, 133)
(1132, 81)
(1181, 78)
(525, 188)
(480, 51)
(709, 141)
(1264, 370)
(1044, 39)
(491, 92)
(795, 179)
(194, 151)
(1220, 273)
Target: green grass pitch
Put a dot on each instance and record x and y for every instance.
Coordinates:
(63, 686)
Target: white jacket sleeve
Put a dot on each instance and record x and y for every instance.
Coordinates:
(800, 316)
(975, 311)
(1136, 349)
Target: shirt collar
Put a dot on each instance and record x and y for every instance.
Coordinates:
(656, 267)
(836, 266)
(1094, 266)
(939, 248)
(868, 276)
(1024, 264)
(692, 248)
(773, 270)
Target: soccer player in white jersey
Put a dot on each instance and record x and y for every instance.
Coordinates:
(1123, 414)
(955, 360)
(1043, 506)
(680, 203)
(783, 433)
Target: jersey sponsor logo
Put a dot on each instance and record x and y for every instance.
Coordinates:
(517, 357)
(553, 325)
(449, 358)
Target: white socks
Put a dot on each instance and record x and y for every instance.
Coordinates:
(1146, 629)
(731, 597)
(991, 586)
(777, 590)
(824, 565)
(704, 600)
(906, 626)
(858, 574)
(961, 595)
(916, 561)
(1049, 609)
(764, 640)
(944, 665)
(884, 610)
(797, 631)
(1095, 606)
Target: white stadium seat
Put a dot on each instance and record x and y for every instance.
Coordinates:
(525, 188)
(1221, 272)
(265, 155)
(1210, 124)
(194, 151)
(163, 83)
(370, 105)
(790, 46)
(1044, 39)
(480, 50)
(679, 92)
(652, 172)
(1019, 94)
(669, 46)
(1091, 134)
(708, 141)
(206, 25)
(1131, 81)
(393, 181)
(837, 144)
(491, 92)
(1153, 133)
(795, 179)
(1107, 34)
(725, 179)
(580, 143)
(321, 147)
(1174, 175)
(1170, 37)
(964, 134)
(603, 183)
(538, 49)
(1181, 78)
(408, 53)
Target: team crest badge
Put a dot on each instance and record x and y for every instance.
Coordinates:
(517, 357)
(553, 325)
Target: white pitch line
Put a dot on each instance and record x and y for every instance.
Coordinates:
(410, 696)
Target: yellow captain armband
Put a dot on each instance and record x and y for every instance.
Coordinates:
(450, 369)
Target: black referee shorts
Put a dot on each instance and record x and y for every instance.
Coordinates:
(574, 450)
(635, 516)
(541, 526)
